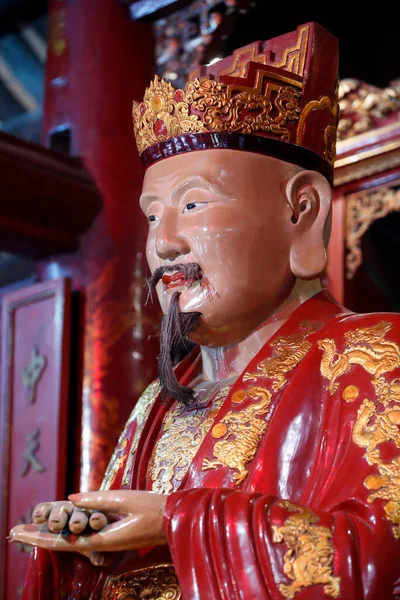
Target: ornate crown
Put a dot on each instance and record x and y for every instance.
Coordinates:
(277, 97)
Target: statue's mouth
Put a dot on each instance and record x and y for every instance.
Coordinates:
(178, 279)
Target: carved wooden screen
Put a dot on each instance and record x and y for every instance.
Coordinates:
(35, 349)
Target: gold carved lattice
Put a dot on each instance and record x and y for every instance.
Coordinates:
(369, 348)
(165, 112)
(309, 558)
(362, 106)
(362, 210)
(152, 583)
(182, 434)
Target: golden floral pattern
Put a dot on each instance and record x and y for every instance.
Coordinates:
(211, 106)
(120, 457)
(368, 347)
(183, 433)
(240, 432)
(152, 583)
(309, 558)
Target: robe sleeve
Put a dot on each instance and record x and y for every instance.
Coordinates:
(337, 532)
(42, 577)
(57, 575)
(229, 544)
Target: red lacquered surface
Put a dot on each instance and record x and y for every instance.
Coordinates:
(33, 427)
(98, 62)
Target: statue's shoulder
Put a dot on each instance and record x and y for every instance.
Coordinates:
(369, 325)
(357, 343)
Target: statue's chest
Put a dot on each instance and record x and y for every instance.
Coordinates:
(181, 435)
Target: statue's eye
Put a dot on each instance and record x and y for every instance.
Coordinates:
(151, 218)
(193, 205)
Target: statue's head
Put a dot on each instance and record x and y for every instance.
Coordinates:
(238, 178)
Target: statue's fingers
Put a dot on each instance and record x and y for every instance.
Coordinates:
(37, 535)
(59, 516)
(78, 521)
(98, 520)
(110, 501)
(41, 512)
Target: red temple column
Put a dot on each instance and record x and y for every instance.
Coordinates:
(98, 62)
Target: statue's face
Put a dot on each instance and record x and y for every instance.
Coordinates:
(226, 211)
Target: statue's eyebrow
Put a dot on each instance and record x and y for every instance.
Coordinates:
(197, 182)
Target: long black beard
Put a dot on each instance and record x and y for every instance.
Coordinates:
(174, 345)
(175, 328)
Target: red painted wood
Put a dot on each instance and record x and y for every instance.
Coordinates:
(37, 316)
(47, 200)
(99, 60)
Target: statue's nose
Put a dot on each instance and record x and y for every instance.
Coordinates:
(171, 243)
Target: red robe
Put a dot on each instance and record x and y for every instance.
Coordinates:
(294, 490)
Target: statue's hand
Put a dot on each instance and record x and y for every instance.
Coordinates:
(396, 590)
(64, 515)
(140, 524)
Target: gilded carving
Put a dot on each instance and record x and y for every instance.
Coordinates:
(183, 433)
(293, 58)
(241, 436)
(288, 352)
(367, 347)
(165, 112)
(120, 458)
(330, 132)
(371, 429)
(309, 558)
(151, 583)
(350, 393)
(362, 106)
(362, 210)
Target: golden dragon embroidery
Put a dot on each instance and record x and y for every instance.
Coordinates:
(288, 352)
(367, 347)
(183, 433)
(309, 558)
(371, 429)
(242, 431)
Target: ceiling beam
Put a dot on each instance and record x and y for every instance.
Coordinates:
(142, 9)
(34, 41)
(17, 88)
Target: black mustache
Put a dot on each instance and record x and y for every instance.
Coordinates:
(190, 271)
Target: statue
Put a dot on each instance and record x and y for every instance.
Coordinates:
(264, 462)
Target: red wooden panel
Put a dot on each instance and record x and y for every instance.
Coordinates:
(33, 418)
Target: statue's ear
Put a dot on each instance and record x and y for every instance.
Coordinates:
(310, 197)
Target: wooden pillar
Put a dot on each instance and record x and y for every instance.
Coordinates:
(98, 62)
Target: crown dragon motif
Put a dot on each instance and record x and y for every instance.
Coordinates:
(211, 106)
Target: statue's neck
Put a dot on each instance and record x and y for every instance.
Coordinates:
(220, 364)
